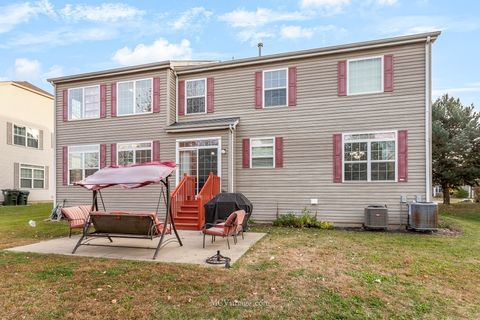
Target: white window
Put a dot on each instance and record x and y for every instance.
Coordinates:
(26, 137)
(195, 93)
(134, 152)
(369, 156)
(134, 97)
(365, 75)
(82, 162)
(84, 103)
(262, 153)
(32, 177)
(275, 88)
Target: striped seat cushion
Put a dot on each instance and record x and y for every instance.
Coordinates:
(76, 216)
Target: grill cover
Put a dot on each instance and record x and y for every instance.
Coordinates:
(223, 204)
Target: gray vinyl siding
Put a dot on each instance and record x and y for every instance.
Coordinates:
(307, 131)
(172, 103)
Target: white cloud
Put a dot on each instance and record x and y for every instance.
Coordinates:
(53, 72)
(386, 2)
(15, 14)
(27, 69)
(106, 12)
(299, 32)
(254, 37)
(419, 24)
(325, 7)
(192, 18)
(160, 50)
(241, 18)
(471, 87)
(296, 32)
(62, 37)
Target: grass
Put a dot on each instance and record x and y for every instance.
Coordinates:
(309, 273)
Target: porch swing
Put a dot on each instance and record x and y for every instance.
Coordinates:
(129, 224)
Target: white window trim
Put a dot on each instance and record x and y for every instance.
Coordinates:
(20, 175)
(382, 73)
(83, 103)
(204, 96)
(286, 88)
(369, 161)
(251, 153)
(83, 164)
(26, 138)
(130, 142)
(177, 154)
(134, 97)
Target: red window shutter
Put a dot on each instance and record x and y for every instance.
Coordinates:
(278, 152)
(156, 95)
(388, 73)
(103, 156)
(156, 150)
(113, 154)
(258, 89)
(181, 98)
(210, 89)
(292, 86)
(342, 78)
(113, 99)
(337, 158)
(246, 153)
(103, 101)
(402, 155)
(65, 105)
(65, 165)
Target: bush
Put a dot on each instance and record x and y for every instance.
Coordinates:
(461, 193)
(306, 220)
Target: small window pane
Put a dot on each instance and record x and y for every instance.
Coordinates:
(38, 184)
(196, 105)
(75, 103)
(195, 88)
(92, 102)
(125, 98)
(38, 174)
(357, 151)
(26, 173)
(91, 160)
(365, 75)
(262, 152)
(143, 101)
(276, 97)
(75, 161)
(75, 175)
(142, 156)
(89, 172)
(125, 158)
(26, 183)
(262, 163)
(383, 171)
(355, 172)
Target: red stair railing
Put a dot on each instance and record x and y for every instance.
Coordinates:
(183, 192)
(209, 190)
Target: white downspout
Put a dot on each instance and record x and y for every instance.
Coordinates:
(428, 121)
(231, 157)
(54, 147)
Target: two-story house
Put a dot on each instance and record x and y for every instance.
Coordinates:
(332, 129)
(26, 137)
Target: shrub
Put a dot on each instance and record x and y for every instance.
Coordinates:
(305, 220)
(461, 193)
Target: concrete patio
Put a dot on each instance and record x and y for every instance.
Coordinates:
(139, 249)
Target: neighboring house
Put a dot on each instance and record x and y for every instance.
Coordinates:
(26, 136)
(346, 126)
(438, 191)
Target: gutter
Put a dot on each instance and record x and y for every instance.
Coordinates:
(428, 120)
(54, 147)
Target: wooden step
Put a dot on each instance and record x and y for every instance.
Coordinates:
(183, 219)
(187, 214)
(186, 226)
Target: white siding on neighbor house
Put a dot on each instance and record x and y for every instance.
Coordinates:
(307, 130)
(23, 107)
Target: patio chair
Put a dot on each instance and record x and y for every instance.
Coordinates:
(241, 214)
(224, 230)
(76, 217)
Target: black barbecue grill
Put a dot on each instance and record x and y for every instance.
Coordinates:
(223, 204)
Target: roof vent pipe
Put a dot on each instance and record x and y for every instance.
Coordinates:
(260, 46)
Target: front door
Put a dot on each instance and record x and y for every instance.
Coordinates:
(198, 158)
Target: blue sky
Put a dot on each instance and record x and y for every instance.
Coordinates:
(46, 38)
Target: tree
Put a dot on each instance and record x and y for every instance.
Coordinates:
(455, 144)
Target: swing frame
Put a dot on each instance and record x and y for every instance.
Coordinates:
(150, 232)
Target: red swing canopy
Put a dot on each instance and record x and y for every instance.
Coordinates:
(129, 177)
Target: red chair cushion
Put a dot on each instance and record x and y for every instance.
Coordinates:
(76, 216)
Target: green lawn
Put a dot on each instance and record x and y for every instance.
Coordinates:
(322, 274)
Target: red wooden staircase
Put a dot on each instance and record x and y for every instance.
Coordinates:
(187, 207)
